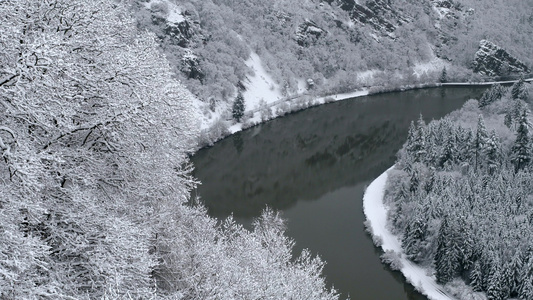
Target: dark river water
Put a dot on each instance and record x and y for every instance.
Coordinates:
(314, 166)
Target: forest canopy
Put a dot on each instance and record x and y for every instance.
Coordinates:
(95, 135)
(461, 197)
(331, 42)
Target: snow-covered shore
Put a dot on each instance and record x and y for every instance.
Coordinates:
(303, 101)
(376, 215)
(272, 104)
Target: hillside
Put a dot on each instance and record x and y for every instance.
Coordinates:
(95, 178)
(460, 196)
(328, 47)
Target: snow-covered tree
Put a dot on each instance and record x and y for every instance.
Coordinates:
(495, 284)
(493, 153)
(518, 90)
(521, 150)
(414, 240)
(446, 258)
(443, 76)
(238, 107)
(476, 277)
(479, 141)
(416, 140)
(493, 94)
(94, 137)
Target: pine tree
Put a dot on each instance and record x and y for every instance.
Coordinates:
(492, 151)
(521, 150)
(495, 284)
(449, 150)
(416, 144)
(479, 141)
(476, 277)
(526, 277)
(516, 266)
(508, 120)
(506, 280)
(444, 76)
(414, 182)
(420, 140)
(414, 239)
(493, 94)
(526, 292)
(463, 142)
(446, 260)
(410, 143)
(518, 88)
(238, 107)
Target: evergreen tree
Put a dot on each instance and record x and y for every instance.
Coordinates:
(465, 245)
(526, 292)
(518, 89)
(476, 277)
(492, 151)
(449, 150)
(493, 94)
(238, 107)
(521, 150)
(526, 277)
(446, 260)
(479, 140)
(420, 139)
(416, 140)
(495, 284)
(444, 76)
(508, 120)
(514, 113)
(414, 239)
(506, 280)
(411, 138)
(516, 267)
(414, 182)
(463, 142)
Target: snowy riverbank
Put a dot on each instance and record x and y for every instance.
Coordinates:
(277, 107)
(376, 215)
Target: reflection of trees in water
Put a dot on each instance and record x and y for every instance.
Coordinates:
(310, 153)
(238, 142)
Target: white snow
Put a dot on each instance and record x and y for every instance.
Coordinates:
(343, 96)
(175, 14)
(365, 77)
(260, 86)
(436, 64)
(235, 128)
(302, 86)
(484, 83)
(374, 36)
(376, 213)
(441, 11)
(350, 24)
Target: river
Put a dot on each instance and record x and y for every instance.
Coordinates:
(313, 166)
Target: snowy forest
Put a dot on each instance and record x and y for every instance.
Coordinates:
(341, 45)
(95, 179)
(461, 195)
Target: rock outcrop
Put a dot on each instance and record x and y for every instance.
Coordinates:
(179, 30)
(492, 60)
(308, 32)
(190, 66)
(377, 14)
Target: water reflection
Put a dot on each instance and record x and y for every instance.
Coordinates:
(314, 166)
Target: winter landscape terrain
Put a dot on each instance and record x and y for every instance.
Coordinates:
(102, 103)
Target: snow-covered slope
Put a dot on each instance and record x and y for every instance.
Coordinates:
(376, 213)
(260, 85)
